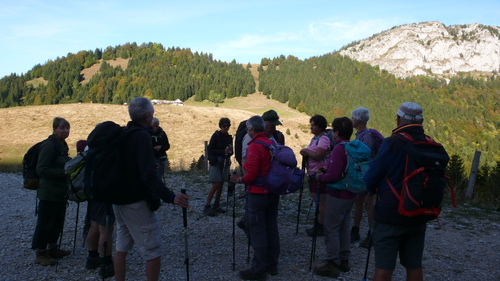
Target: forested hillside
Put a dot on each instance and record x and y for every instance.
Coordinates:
(463, 114)
(153, 71)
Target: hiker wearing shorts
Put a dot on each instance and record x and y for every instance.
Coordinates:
(220, 149)
(160, 146)
(136, 219)
(394, 233)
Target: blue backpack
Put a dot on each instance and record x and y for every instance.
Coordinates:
(284, 176)
(358, 161)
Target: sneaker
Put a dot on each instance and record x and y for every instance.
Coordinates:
(272, 270)
(43, 258)
(344, 266)
(355, 234)
(106, 270)
(365, 243)
(207, 211)
(93, 263)
(330, 269)
(56, 253)
(319, 232)
(249, 275)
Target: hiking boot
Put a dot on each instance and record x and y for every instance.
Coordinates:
(330, 269)
(249, 275)
(217, 209)
(355, 234)
(344, 266)
(319, 230)
(272, 270)
(56, 253)
(207, 211)
(366, 242)
(106, 270)
(43, 258)
(93, 263)
(241, 224)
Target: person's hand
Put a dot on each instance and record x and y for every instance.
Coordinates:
(234, 178)
(320, 171)
(157, 148)
(182, 200)
(303, 152)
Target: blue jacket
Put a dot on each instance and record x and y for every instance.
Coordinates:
(390, 163)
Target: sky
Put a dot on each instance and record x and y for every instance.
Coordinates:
(36, 31)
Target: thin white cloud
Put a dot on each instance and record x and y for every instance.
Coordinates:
(344, 31)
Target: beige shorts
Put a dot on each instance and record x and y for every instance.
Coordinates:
(136, 224)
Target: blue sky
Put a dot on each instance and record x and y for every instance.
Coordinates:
(36, 31)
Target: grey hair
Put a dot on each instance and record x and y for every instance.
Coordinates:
(257, 123)
(155, 121)
(361, 114)
(138, 107)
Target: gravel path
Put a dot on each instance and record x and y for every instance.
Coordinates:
(465, 246)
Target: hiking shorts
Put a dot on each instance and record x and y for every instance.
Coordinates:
(389, 240)
(135, 223)
(98, 212)
(215, 173)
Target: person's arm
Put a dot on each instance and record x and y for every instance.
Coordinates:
(165, 144)
(336, 166)
(320, 151)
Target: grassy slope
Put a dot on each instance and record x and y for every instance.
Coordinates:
(187, 126)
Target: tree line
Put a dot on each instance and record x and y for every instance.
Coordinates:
(152, 71)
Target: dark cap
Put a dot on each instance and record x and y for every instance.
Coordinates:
(410, 111)
(80, 145)
(271, 116)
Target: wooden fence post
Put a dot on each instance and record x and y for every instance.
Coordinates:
(473, 173)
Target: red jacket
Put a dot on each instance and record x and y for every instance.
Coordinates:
(258, 162)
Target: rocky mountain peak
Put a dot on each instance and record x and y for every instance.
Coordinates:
(431, 48)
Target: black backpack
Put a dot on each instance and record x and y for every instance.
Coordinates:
(30, 160)
(105, 162)
(424, 181)
(238, 141)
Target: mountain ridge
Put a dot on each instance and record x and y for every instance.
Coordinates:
(431, 48)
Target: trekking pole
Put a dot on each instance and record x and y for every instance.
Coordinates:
(184, 221)
(234, 220)
(368, 255)
(315, 231)
(304, 163)
(76, 225)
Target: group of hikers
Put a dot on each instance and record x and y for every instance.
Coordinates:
(136, 221)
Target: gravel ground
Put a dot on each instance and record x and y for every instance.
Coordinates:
(465, 245)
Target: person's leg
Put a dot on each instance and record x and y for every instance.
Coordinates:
(358, 215)
(120, 265)
(414, 274)
(153, 269)
(344, 231)
(93, 237)
(369, 202)
(272, 231)
(258, 233)
(382, 275)
(103, 238)
(211, 192)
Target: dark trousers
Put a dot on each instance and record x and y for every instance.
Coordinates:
(49, 224)
(262, 215)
